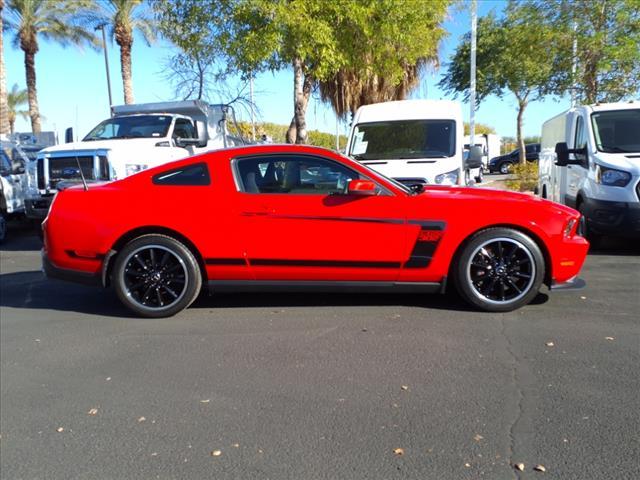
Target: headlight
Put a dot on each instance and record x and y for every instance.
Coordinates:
(132, 168)
(611, 177)
(449, 178)
(568, 229)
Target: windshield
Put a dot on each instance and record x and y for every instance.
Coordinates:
(404, 139)
(379, 176)
(617, 131)
(136, 126)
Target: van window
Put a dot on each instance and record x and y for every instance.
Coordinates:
(184, 129)
(580, 140)
(616, 131)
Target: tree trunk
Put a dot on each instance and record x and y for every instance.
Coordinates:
(291, 132)
(30, 69)
(4, 106)
(12, 125)
(522, 104)
(125, 66)
(301, 94)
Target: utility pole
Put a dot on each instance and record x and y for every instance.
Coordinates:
(574, 63)
(253, 120)
(472, 87)
(106, 64)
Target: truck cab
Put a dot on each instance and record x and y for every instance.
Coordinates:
(137, 137)
(411, 141)
(13, 183)
(590, 160)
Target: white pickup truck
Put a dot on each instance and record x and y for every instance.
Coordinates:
(137, 137)
(590, 160)
(12, 183)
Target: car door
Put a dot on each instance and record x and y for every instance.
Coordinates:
(300, 225)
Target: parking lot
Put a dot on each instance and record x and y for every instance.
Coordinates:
(319, 386)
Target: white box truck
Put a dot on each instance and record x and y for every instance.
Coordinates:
(590, 160)
(137, 137)
(415, 142)
(489, 143)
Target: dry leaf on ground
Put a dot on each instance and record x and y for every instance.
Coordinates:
(93, 411)
(216, 453)
(540, 468)
(519, 466)
(141, 419)
(59, 429)
(398, 451)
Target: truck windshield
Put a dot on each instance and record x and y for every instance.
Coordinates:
(403, 139)
(617, 131)
(135, 126)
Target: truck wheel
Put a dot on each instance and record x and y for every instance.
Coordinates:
(589, 234)
(480, 176)
(499, 270)
(156, 276)
(3, 227)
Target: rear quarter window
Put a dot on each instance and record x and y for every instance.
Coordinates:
(189, 175)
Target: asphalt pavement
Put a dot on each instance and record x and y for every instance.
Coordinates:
(285, 386)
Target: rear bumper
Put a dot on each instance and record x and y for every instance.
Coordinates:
(75, 276)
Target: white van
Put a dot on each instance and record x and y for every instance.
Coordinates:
(489, 143)
(590, 160)
(416, 142)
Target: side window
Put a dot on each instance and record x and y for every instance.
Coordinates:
(194, 175)
(293, 174)
(580, 140)
(184, 129)
(5, 163)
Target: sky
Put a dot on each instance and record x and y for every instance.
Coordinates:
(72, 87)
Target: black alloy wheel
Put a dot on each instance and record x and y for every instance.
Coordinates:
(156, 276)
(499, 270)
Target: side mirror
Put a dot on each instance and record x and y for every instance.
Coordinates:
(474, 160)
(201, 130)
(17, 169)
(68, 135)
(187, 142)
(361, 187)
(562, 154)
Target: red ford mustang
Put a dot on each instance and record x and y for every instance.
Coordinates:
(299, 217)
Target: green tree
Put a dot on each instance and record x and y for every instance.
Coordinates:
(607, 34)
(124, 17)
(52, 20)
(16, 98)
(508, 61)
(387, 45)
(480, 129)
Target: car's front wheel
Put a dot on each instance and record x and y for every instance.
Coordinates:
(156, 276)
(499, 270)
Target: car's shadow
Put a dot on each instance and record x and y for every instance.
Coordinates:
(32, 290)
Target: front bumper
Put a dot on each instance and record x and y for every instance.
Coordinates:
(613, 218)
(38, 208)
(75, 276)
(573, 284)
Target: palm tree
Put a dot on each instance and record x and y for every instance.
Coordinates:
(4, 117)
(123, 17)
(347, 90)
(15, 99)
(55, 20)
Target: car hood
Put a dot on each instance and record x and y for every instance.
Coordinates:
(118, 144)
(476, 196)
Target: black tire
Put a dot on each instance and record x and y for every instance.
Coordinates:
(3, 227)
(467, 177)
(480, 176)
(156, 276)
(499, 270)
(594, 238)
(505, 167)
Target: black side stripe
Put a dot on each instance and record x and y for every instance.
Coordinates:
(423, 251)
(322, 263)
(396, 221)
(225, 261)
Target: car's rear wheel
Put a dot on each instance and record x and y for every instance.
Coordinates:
(156, 276)
(505, 167)
(480, 176)
(499, 270)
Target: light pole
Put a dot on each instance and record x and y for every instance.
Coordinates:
(472, 89)
(106, 64)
